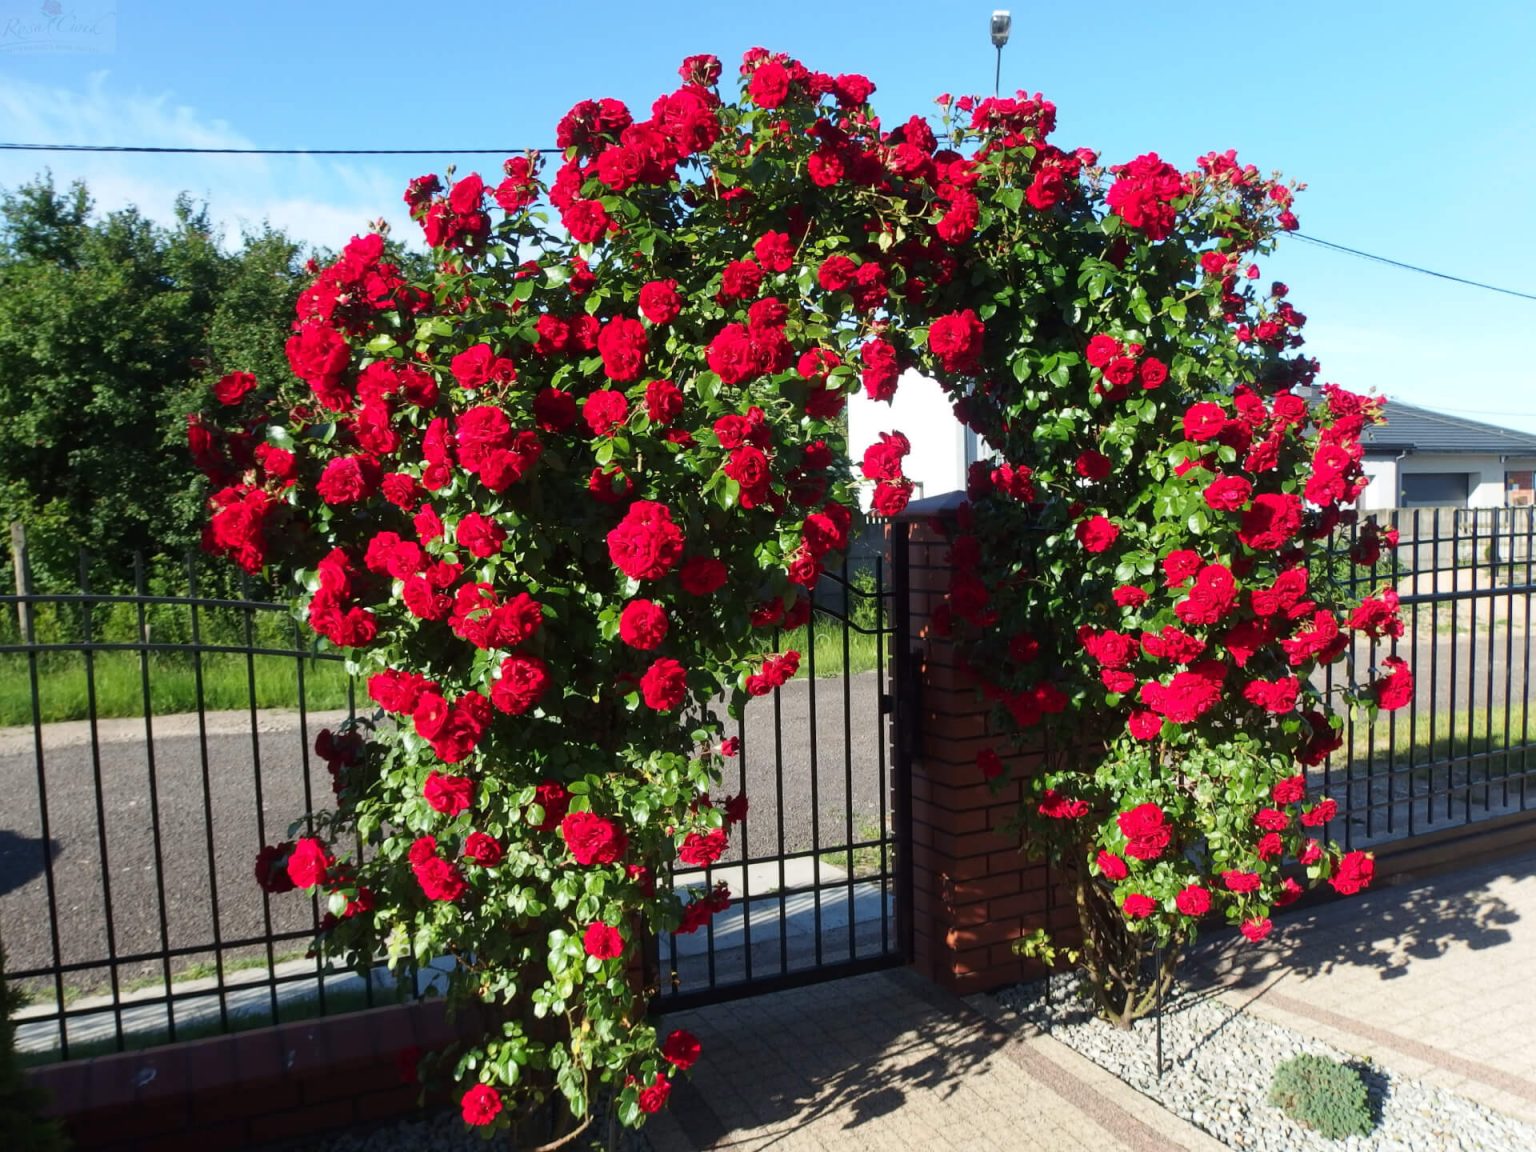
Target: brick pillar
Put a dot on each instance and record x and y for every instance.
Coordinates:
(974, 893)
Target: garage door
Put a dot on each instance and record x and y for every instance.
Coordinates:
(1434, 490)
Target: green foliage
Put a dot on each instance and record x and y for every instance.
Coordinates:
(1324, 1095)
(22, 1126)
(111, 328)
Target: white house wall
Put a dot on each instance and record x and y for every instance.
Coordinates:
(921, 411)
(1485, 472)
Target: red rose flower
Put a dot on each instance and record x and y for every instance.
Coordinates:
(646, 544)
(1257, 928)
(480, 1105)
(622, 344)
(1112, 867)
(1097, 533)
(989, 763)
(663, 402)
(1227, 493)
(1290, 790)
(483, 849)
(348, 479)
(1193, 900)
(592, 839)
(775, 251)
(234, 387)
(1354, 873)
(1144, 725)
(1395, 690)
(664, 685)
(702, 575)
(1238, 881)
(1137, 906)
(681, 1049)
(643, 625)
(653, 1097)
(603, 941)
(480, 536)
(604, 411)
(449, 795)
(1204, 422)
(309, 863)
(956, 340)
(699, 850)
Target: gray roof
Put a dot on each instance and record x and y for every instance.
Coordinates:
(1414, 429)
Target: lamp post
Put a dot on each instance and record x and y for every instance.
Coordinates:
(1002, 24)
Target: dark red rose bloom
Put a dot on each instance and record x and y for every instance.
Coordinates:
(1272, 521)
(1154, 373)
(593, 839)
(1130, 596)
(741, 280)
(1144, 194)
(480, 536)
(483, 849)
(1193, 900)
(890, 498)
(643, 625)
(1179, 566)
(663, 402)
(664, 685)
(703, 575)
(1204, 422)
(681, 1049)
(881, 369)
(234, 387)
(1213, 596)
(272, 868)
(1354, 873)
(1137, 906)
(1145, 725)
(1097, 533)
(1256, 928)
(622, 344)
(1227, 493)
(1101, 350)
(1111, 867)
(769, 86)
(605, 411)
(989, 763)
(309, 863)
(449, 795)
(653, 1097)
(1238, 881)
(775, 251)
(603, 941)
(554, 410)
(1291, 790)
(733, 356)
(700, 849)
(1146, 831)
(956, 340)
(836, 272)
(645, 544)
(1189, 695)
(348, 479)
(882, 460)
(522, 682)
(659, 301)
(1394, 690)
(1055, 806)
(480, 1105)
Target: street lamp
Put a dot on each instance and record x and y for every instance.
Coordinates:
(1002, 24)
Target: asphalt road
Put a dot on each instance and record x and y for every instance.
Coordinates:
(104, 856)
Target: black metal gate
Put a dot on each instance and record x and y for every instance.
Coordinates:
(813, 870)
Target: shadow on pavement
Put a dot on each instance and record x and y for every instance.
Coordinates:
(22, 859)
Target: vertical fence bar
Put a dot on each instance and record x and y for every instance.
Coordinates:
(87, 634)
(815, 770)
(248, 615)
(142, 592)
(305, 767)
(853, 859)
(25, 600)
(907, 704)
(207, 783)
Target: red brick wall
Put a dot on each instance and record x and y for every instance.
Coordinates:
(974, 893)
(251, 1089)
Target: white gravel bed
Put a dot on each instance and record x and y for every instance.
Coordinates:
(1218, 1062)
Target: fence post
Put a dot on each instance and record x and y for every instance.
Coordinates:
(23, 578)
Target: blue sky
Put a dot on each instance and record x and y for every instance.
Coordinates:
(1412, 123)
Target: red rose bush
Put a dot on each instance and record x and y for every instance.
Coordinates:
(555, 497)
(1143, 581)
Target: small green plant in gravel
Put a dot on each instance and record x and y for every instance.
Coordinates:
(1323, 1094)
(23, 1128)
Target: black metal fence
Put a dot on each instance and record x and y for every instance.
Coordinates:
(152, 739)
(1463, 751)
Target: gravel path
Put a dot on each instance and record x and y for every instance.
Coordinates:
(1218, 1064)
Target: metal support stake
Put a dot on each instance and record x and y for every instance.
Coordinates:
(1157, 1011)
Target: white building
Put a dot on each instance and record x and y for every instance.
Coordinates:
(942, 447)
(1424, 459)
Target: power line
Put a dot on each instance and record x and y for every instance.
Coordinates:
(1412, 267)
(190, 151)
(275, 151)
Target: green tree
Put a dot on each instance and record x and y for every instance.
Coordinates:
(109, 326)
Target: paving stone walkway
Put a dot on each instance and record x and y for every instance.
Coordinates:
(1432, 979)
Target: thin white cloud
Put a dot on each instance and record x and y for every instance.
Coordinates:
(316, 199)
